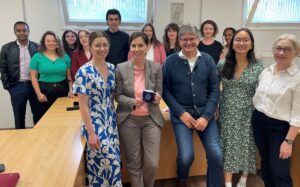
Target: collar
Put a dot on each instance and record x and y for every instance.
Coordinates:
(181, 55)
(293, 69)
(19, 44)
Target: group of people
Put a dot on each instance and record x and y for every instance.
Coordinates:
(221, 92)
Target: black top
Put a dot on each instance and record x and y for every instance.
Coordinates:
(69, 51)
(170, 51)
(119, 47)
(214, 50)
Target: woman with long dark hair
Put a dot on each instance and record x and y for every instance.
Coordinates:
(69, 41)
(170, 39)
(239, 75)
(227, 37)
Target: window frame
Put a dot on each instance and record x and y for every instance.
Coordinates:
(247, 22)
(93, 25)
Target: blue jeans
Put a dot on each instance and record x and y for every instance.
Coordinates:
(19, 95)
(211, 141)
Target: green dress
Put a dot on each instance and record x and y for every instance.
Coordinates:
(236, 108)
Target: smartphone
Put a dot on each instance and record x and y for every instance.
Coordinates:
(2, 167)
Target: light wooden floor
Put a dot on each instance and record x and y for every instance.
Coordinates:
(200, 181)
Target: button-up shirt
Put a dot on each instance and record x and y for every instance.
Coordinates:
(191, 61)
(278, 95)
(24, 61)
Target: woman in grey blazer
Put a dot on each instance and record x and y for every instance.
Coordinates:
(139, 121)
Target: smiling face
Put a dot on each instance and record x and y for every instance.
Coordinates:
(138, 48)
(228, 36)
(172, 34)
(208, 30)
(113, 22)
(189, 43)
(149, 32)
(99, 48)
(22, 33)
(50, 43)
(284, 52)
(70, 38)
(242, 43)
(83, 38)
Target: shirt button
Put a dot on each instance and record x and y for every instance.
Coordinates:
(192, 84)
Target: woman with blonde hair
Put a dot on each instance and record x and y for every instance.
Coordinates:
(276, 118)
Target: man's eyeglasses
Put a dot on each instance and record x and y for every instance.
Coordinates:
(186, 40)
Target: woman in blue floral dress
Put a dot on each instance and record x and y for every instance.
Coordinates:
(94, 83)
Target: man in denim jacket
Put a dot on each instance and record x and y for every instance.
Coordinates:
(191, 90)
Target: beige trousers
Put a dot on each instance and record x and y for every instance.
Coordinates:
(140, 136)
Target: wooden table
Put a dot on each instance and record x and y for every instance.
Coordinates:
(52, 153)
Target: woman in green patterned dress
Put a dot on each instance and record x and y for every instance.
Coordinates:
(238, 74)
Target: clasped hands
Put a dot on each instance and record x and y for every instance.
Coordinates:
(199, 124)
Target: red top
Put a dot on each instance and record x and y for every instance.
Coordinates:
(78, 59)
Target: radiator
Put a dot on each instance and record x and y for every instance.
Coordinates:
(267, 59)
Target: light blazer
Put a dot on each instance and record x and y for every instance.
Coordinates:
(124, 91)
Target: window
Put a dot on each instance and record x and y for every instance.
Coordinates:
(272, 12)
(93, 12)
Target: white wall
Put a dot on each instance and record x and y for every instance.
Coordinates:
(45, 15)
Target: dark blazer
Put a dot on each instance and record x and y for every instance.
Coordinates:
(124, 91)
(10, 62)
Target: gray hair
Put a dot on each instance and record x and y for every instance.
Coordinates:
(192, 29)
(290, 37)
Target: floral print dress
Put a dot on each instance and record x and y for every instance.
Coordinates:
(236, 108)
(102, 165)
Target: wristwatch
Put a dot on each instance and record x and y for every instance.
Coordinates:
(289, 141)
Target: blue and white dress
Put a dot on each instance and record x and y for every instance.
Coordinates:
(103, 165)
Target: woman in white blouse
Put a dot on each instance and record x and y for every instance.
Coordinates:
(276, 119)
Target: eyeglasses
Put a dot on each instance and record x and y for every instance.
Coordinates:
(186, 40)
(283, 49)
(241, 40)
